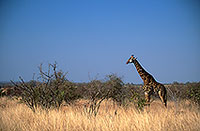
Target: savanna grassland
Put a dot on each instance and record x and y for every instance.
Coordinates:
(16, 116)
(53, 103)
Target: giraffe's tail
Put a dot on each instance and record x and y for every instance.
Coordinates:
(165, 97)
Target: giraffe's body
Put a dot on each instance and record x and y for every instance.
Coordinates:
(150, 84)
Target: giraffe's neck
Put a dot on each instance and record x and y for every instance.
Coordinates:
(143, 74)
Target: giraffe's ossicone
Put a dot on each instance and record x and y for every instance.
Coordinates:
(150, 84)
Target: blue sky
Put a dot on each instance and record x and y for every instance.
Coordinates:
(93, 38)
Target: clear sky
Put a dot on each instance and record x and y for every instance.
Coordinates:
(93, 38)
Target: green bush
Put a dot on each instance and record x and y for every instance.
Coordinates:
(138, 100)
(194, 93)
(96, 94)
(115, 86)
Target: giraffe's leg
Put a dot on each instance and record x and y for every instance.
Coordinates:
(147, 98)
(163, 95)
(147, 92)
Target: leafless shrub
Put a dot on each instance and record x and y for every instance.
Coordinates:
(52, 89)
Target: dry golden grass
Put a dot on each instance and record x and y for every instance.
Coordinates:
(15, 116)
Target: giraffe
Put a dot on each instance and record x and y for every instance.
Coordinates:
(150, 84)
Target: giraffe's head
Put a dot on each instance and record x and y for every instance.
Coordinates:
(131, 59)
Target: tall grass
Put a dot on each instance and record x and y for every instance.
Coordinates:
(18, 117)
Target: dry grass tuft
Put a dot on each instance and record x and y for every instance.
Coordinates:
(18, 117)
